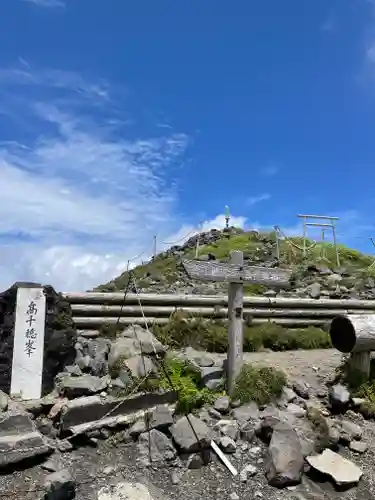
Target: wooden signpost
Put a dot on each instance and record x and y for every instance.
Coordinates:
(236, 274)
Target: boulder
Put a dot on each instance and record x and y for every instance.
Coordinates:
(286, 459)
(342, 471)
(134, 341)
(125, 491)
(191, 434)
(156, 447)
(59, 340)
(19, 439)
(339, 398)
(59, 486)
(85, 385)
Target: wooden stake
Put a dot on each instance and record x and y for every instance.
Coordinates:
(235, 327)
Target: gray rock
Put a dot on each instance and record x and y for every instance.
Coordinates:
(204, 361)
(51, 465)
(288, 395)
(248, 471)
(156, 447)
(286, 459)
(214, 413)
(74, 370)
(296, 410)
(302, 389)
(227, 428)
(211, 373)
(186, 438)
(227, 444)
(215, 384)
(125, 378)
(84, 363)
(59, 486)
(247, 431)
(140, 366)
(134, 341)
(3, 401)
(138, 428)
(246, 412)
(197, 460)
(313, 290)
(19, 439)
(353, 430)
(125, 491)
(338, 398)
(86, 385)
(222, 404)
(342, 471)
(358, 446)
(161, 418)
(45, 426)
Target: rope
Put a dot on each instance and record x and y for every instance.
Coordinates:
(190, 233)
(165, 371)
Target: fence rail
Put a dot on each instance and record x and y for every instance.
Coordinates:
(91, 310)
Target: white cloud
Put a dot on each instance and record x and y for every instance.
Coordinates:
(270, 170)
(253, 200)
(46, 3)
(79, 200)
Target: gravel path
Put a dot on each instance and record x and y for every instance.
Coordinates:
(312, 366)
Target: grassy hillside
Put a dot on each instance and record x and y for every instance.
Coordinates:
(164, 272)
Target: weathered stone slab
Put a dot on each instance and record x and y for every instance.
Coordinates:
(342, 471)
(91, 408)
(19, 439)
(28, 345)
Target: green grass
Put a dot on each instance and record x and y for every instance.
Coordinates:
(359, 386)
(212, 335)
(186, 381)
(261, 385)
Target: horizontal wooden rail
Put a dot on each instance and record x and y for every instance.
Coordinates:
(106, 298)
(92, 310)
(93, 323)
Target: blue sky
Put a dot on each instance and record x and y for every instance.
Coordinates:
(120, 120)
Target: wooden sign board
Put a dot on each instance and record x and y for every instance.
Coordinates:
(220, 271)
(236, 274)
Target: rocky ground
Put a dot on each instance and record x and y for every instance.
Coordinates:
(274, 449)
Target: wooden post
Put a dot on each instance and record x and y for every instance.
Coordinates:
(236, 275)
(154, 250)
(235, 326)
(277, 242)
(335, 243)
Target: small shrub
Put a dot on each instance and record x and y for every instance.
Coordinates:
(320, 426)
(183, 330)
(275, 337)
(186, 382)
(258, 384)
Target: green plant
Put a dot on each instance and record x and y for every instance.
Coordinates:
(258, 384)
(185, 381)
(184, 330)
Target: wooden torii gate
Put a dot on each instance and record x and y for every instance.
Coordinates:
(236, 274)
